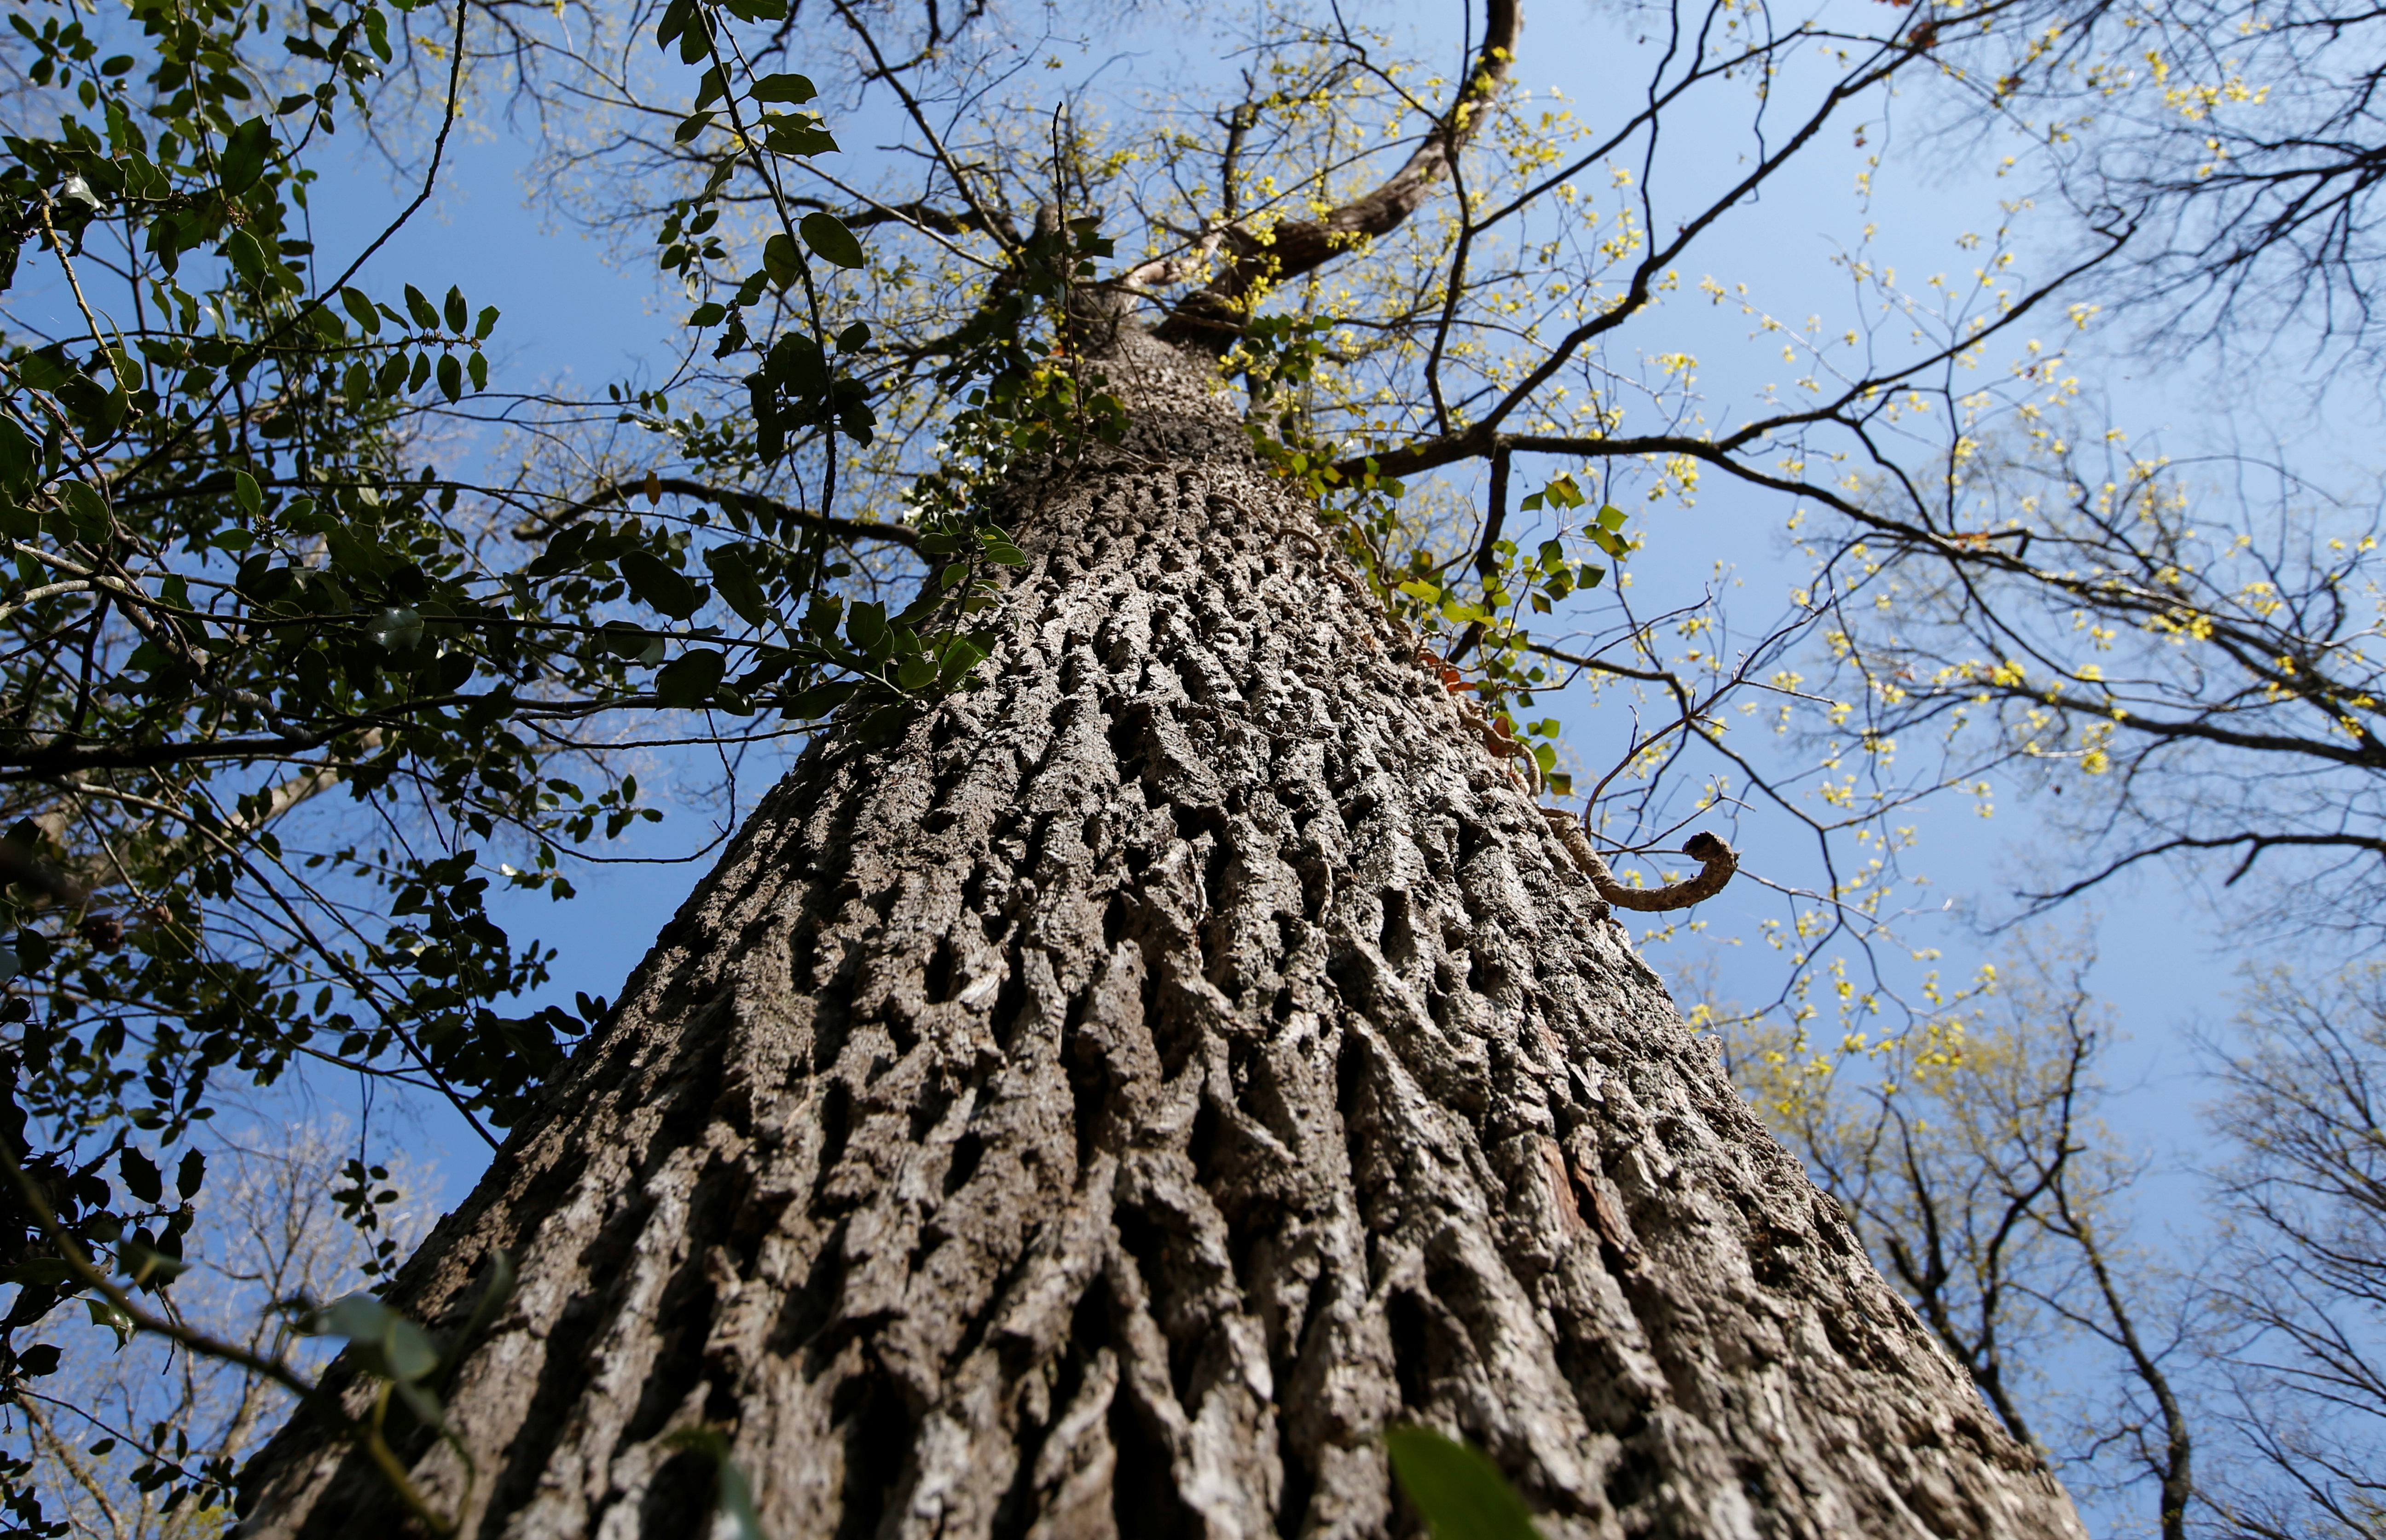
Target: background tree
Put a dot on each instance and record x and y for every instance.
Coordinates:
(143, 1441)
(1971, 1157)
(2301, 1109)
(2241, 144)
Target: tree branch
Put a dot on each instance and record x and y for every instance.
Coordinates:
(1211, 317)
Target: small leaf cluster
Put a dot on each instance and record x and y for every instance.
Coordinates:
(1489, 622)
(1012, 363)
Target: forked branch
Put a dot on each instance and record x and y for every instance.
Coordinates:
(1211, 317)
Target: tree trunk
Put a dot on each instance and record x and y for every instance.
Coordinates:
(1103, 1109)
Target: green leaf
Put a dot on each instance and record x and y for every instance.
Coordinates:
(819, 701)
(389, 1345)
(1462, 1495)
(477, 368)
(458, 311)
(191, 1174)
(142, 1177)
(865, 626)
(690, 126)
(93, 525)
(781, 260)
(358, 1317)
(796, 136)
(625, 640)
(19, 457)
(407, 1349)
(826, 234)
(792, 89)
(961, 655)
(733, 576)
(103, 1312)
(247, 259)
(500, 1287)
(708, 314)
(689, 680)
(399, 629)
(356, 557)
(145, 1264)
(242, 159)
(368, 318)
(244, 493)
(451, 377)
(46, 370)
(419, 306)
(484, 323)
(1000, 549)
(660, 585)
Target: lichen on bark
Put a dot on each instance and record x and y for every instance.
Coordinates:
(1103, 1109)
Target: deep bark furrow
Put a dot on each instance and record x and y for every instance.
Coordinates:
(1103, 1109)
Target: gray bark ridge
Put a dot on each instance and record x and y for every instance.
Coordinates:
(1103, 1110)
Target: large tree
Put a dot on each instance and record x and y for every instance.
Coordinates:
(1108, 1105)
(1152, 1040)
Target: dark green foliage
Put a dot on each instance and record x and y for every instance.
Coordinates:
(280, 692)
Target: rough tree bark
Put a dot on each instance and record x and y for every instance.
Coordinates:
(1105, 1108)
